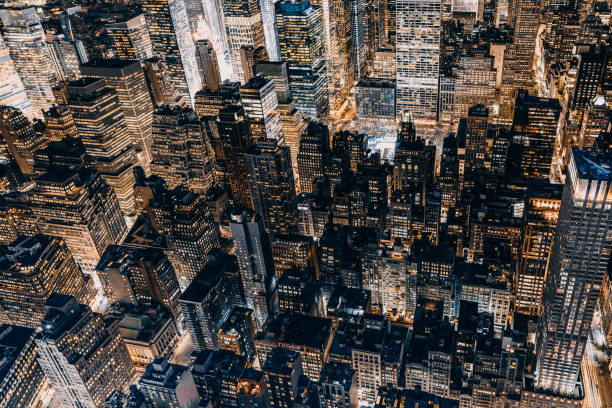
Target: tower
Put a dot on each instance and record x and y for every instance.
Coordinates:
(173, 43)
(578, 263)
(417, 56)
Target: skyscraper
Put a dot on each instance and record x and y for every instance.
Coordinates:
(243, 27)
(181, 151)
(25, 38)
(418, 54)
(208, 66)
(59, 123)
(31, 269)
(526, 17)
(128, 80)
(12, 91)
(539, 223)
(19, 138)
(534, 128)
(300, 31)
(165, 384)
(82, 355)
(130, 39)
(261, 107)
(173, 43)
(272, 184)
(578, 263)
(254, 253)
(476, 136)
(235, 140)
(161, 87)
(100, 120)
(312, 156)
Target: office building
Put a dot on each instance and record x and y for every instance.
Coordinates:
(12, 90)
(375, 98)
(173, 44)
(301, 37)
(292, 119)
(82, 355)
(181, 151)
(73, 204)
(210, 103)
(130, 39)
(21, 377)
(216, 375)
(534, 129)
(166, 384)
(128, 80)
(417, 52)
(140, 277)
(243, 27)
(525, 14)
(238, 332)
(20, 140)
(260, 103)
(539, 224)
(147, 336)
(161, 87)
(182, 217)
(578, 263)
(100, 120)
(475, 83)
(282, 369)
(236, 138)
(24, 37)
(476, 136)
(254, 253)
(272, 185)
(207, 303)
(59, 123)
(338, 386)
(31, 269)
(249, 57)
(208, 66)
(312, 156)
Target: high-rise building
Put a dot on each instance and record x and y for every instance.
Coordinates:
(534, 129)
(216, 375)
(292, 119)
(128, 80)
(260, 104)
(209, 103)
(130, 39)
(59, 123)
(418, 53)
(235, 140)
(238, 332)
(254, 253)
(208, 301)
(249, 56)
(161, 87)
(577, 266)
(526, 15)
(476, 136)
(539, 223)
(141, 277)
(78, 206)
(100, 120)
(21, 377)
(171, 385)
(312, 155)
(24, 36)
(181, 151)
(243, 27)
(64, 57)
(12, 91)
(173, 44)
(475, 84)
(19, 138)
(83, 356)
(182, 216)
(272, 185)
(301, 36)
(208, 66)
(31, 269)
(283, 369)
(338, 386)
